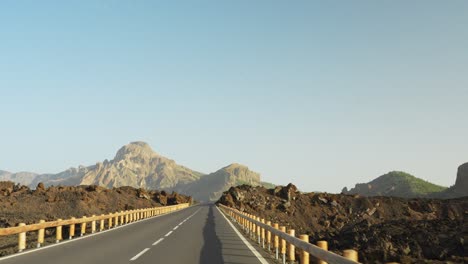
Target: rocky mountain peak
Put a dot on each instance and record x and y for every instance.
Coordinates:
(138, 149)
(237, 173)
(461, 183)
(235, 167)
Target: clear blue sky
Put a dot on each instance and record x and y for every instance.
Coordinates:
(324, 94)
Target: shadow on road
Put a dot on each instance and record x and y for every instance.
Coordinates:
(211, 251)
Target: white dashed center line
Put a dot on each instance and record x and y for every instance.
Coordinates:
(139, 254)
(157, 242)
(161, 239)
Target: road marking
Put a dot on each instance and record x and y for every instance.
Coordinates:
(168, 234)
(87, 236)
(139, 254)
(175, 228)
(254, 251)
(157, 242)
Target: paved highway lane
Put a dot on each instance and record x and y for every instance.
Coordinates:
(199, 234)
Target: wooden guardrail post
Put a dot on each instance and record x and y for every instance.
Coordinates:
(21, 239)
(351, 254)
(323, 245)
(119, 218)
(101, 223)
(276, 238)
(40, 234)
(263, 233)
(291, 248)
(93, 226)
(72, 229)
(268, 236)
(58, 232)
(249, 226)
(245, 223)
(304, 254)
(283, 244)
(110, 221)
(252, 227)
(289, 243)
(83, 227)
(259, 232)
(116, 220)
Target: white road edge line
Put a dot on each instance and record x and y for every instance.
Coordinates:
(157, 242)
(85, 237)
(139, 254)
(168, 234)
(247, 243)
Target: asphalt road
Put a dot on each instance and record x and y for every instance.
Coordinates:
(199, 234)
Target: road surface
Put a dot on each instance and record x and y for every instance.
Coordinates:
(199, 234)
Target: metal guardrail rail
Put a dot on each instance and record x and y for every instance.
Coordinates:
(113, 220)
(264, 230)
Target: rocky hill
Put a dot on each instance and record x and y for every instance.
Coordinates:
(214, 184)
(20, 204)
(137, 165)
(398, 184)
(460, 188)
(382, 229)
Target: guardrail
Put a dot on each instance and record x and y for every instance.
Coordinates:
(271, 234)
(112, 219)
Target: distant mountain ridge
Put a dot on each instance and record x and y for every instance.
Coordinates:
(401, 184)
(213, 184)
(24, 178)
(137, 165)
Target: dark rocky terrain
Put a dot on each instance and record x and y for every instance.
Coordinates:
(382, 229)
(20, 204)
